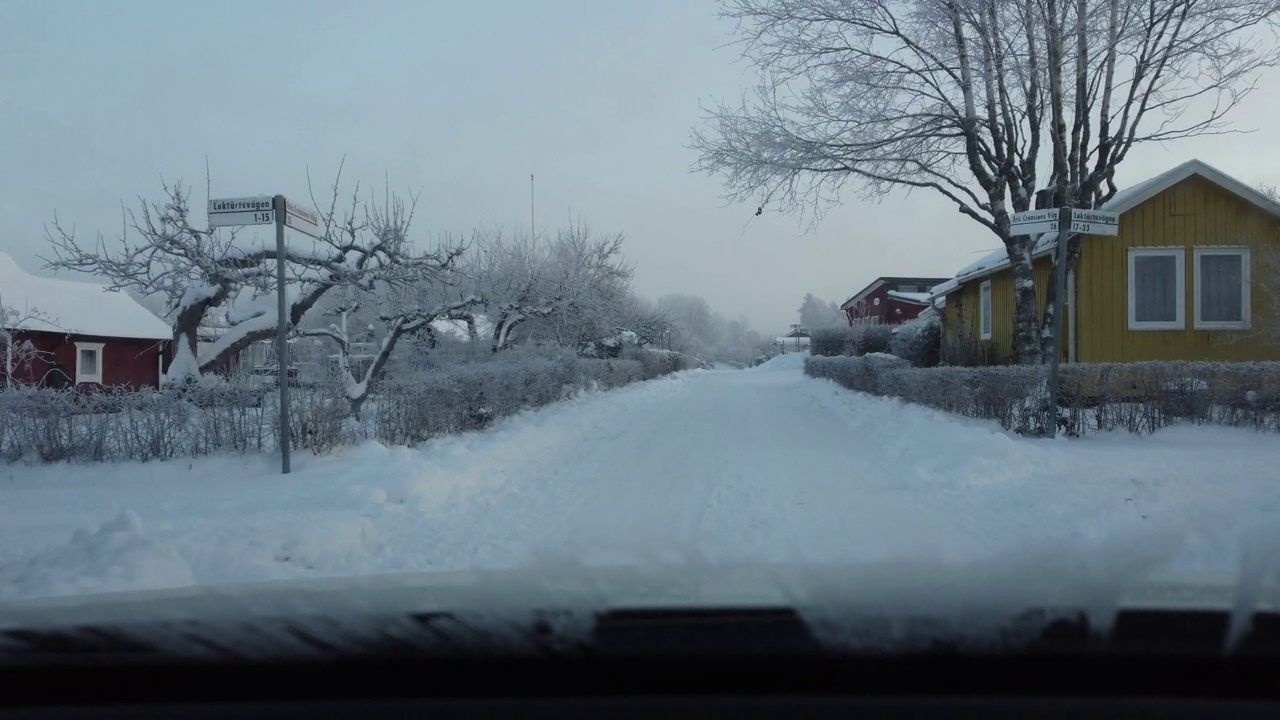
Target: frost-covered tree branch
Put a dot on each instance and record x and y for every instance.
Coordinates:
(19, 353)
(972, 99)
(400, 321)
(163, 250)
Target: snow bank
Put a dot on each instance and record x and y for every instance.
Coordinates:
(118, 555)
(786, 362)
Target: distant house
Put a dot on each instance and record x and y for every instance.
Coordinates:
(86, 336)
(1185, 279)
(889, 301)
(795, 341)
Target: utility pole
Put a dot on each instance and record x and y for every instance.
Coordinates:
(532, 233)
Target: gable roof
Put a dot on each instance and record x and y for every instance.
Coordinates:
(77, 308)
(1122, 202)
(890, 279)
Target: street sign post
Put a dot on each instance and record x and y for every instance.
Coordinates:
(1077, 222)
(1083, 222)
(301, 218)
(230, 212)
(268, 210)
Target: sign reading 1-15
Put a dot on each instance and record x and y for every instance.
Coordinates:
(230, 212)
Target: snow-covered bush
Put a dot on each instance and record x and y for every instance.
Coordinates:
(918, 340)
(1139, 397)
(872, 339)
(440, 394)
(656, 363)
(831, 341)
(470, 396)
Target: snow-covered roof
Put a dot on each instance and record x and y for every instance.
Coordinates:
(80, 308)
(895, 280)
(920, 298)
(457, 329)
(1122, 202)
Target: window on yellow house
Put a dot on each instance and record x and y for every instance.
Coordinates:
(1222, 288)
(1157, 289)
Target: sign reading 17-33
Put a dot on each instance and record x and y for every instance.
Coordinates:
(1083, 222)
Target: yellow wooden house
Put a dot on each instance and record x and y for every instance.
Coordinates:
(1192, 275)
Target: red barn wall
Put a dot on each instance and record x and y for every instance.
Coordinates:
(126, 362)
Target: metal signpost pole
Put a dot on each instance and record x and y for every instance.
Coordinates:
(1060, 290)
(282, 335)
(1065, 221)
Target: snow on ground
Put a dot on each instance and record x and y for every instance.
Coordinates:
(725, 466)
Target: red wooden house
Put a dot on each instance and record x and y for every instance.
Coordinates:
(889, 301)
(82, 334)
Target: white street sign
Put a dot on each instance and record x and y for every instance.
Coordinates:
(241, 211)
(1033, 222)
(1083, 222)
(301, 218)
(1095, 222)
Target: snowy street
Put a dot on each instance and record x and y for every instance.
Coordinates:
(761, 465)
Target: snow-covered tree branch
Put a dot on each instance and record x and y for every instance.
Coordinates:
(971, 99)
(164, 250)
(19, 353)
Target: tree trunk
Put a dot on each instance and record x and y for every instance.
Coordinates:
(1026, 338)
(296, 311)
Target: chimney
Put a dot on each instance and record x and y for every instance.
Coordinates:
(1044, 199)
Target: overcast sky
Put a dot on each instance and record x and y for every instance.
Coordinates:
(462, 100)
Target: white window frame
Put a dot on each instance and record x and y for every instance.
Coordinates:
(81, 376)
(985, 306)
(1180, 287)
(1245, 288)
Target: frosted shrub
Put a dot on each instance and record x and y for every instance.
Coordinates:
(919, 340)
(831, 342)
(418, 401)
(873, 339)
(1139, 397)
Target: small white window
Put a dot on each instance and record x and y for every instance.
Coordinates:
(984, 308)
(1222, 288)
(88, 362)
(1157, 289)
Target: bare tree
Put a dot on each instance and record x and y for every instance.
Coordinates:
(401, 295)
(571, 289)
(19, 352)
(971, 98)
(163, 250)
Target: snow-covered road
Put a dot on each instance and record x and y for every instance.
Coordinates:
(762, 465)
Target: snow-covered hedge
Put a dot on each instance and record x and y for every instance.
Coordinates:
(1139, 397)
(46, 425)
(831, 342)
(873, 339)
